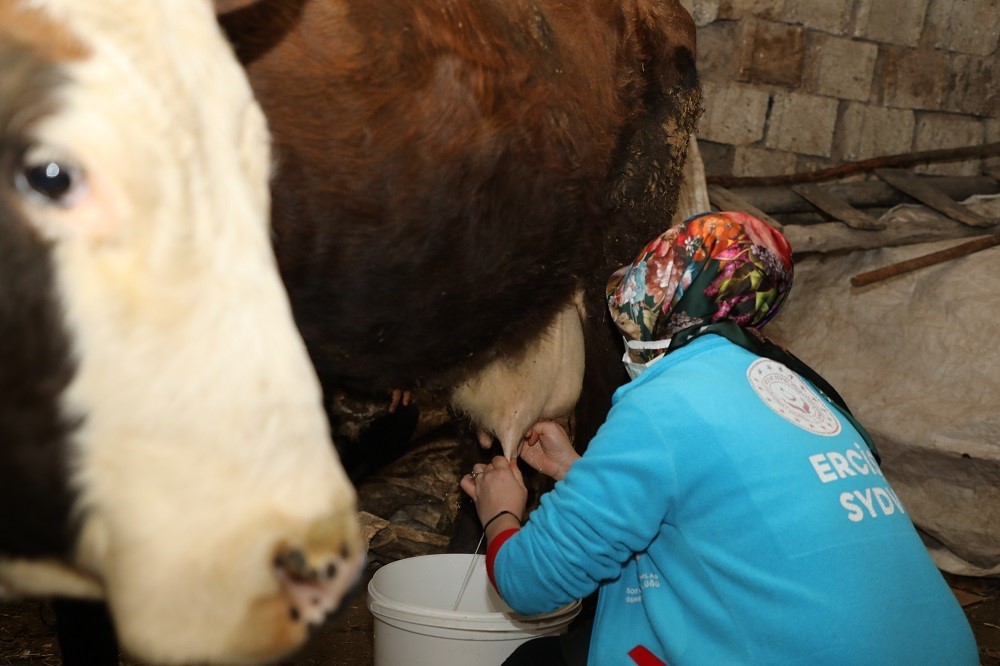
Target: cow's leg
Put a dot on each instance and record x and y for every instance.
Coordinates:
(369, 431)
(85, 633)
(603, 374)
(382, 441)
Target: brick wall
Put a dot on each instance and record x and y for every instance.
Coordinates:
(795, 85)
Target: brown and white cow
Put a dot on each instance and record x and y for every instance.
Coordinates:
(162, 439)
(452, 176)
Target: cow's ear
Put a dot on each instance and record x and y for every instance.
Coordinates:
(226, 6)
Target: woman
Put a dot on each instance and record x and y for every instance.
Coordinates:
(730, 510)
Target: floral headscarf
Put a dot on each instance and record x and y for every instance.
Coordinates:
(713, 267)
(724, 273)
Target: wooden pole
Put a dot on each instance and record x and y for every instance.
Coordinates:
(830, 173)
(863, 194)
(892, 270)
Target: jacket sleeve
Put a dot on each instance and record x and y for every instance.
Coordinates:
(609, 506)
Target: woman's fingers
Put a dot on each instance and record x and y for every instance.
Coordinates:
(529, 455)
(512, 464)
(499, 463)
(468, 484)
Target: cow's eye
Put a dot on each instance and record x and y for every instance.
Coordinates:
(49, 181)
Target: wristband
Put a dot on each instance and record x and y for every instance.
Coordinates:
(490, 521)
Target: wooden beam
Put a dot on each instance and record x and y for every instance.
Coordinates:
(723, 199)
(932, 197)
(832, 173)
(835, 237)
(892, 270)
(836, 208)
(864, 194)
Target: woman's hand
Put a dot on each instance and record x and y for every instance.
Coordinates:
(547, 448)
(497, 487)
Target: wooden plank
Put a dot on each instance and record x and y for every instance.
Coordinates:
(883, 162)
(837, 208)
(967, 598)
(957, 252)
(932, 197)
(863, 194)
(836, 237)
(723, 199)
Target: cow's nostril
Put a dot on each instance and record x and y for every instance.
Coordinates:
(315, 580)
(315, 573)
(295, 565)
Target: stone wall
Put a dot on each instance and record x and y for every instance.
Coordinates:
(795, 85)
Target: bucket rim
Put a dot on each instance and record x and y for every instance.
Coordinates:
(381, 604)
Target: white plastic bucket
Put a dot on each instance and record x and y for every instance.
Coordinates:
(415, 625)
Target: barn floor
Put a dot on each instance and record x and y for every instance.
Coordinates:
(407, 509)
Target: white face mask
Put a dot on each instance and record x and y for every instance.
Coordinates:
(635, 369)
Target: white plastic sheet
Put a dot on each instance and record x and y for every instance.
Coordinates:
(917, 358)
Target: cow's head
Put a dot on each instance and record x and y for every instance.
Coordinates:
(162, 441)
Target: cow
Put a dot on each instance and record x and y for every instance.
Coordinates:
(456, 181)
(163, 443)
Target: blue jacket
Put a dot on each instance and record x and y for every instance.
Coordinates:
(728, 516)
